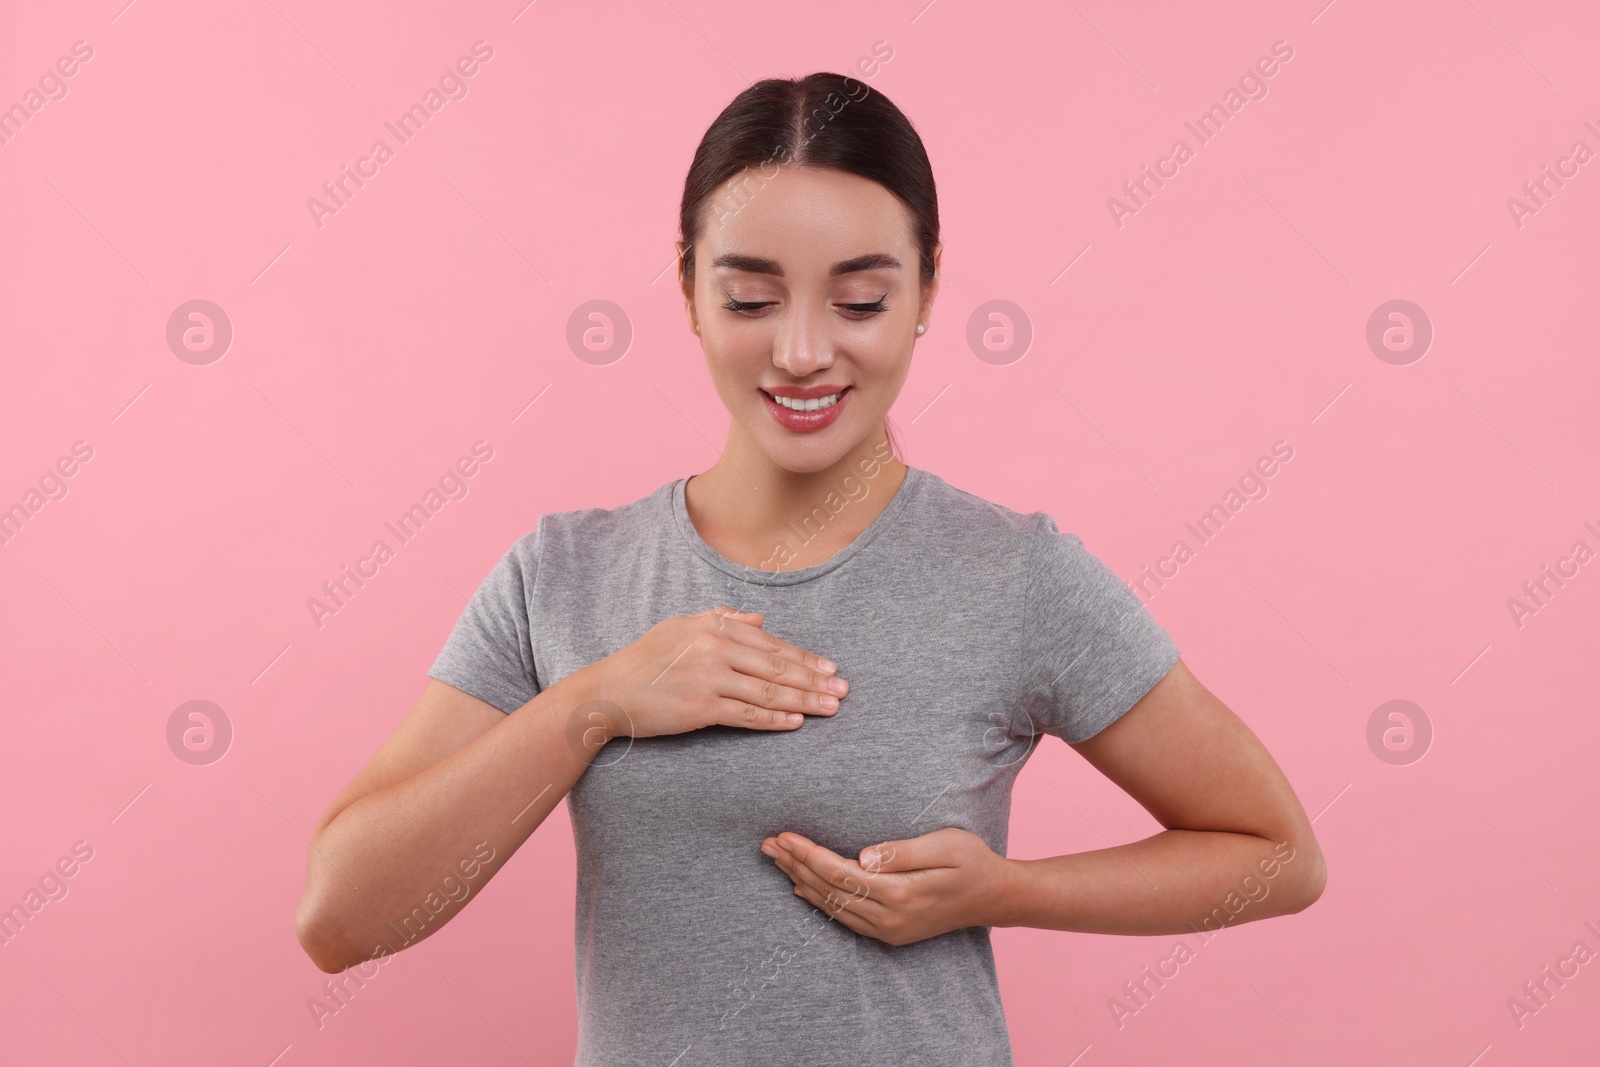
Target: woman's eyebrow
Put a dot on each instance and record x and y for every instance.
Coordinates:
(761, 265)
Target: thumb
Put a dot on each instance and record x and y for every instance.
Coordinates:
(723, 611)
(887, 858)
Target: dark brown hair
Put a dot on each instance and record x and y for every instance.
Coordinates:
(821, 120)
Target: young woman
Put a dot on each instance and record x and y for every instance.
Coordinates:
(786, 698)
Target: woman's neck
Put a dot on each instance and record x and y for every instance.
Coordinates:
(761, 515)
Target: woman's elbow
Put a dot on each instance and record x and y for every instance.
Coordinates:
(1313, 879)
(317, 938)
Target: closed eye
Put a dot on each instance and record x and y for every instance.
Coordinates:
(874, 308)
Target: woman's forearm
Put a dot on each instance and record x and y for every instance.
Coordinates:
(397, 864)
(1175, 882)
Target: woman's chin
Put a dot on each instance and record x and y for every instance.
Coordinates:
(806, 453)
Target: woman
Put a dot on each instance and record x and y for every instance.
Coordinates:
(786, 698)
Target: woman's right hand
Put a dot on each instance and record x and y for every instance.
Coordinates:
(717, 667)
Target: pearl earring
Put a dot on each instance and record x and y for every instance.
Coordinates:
(920, 327)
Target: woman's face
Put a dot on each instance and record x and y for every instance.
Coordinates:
(809, 278)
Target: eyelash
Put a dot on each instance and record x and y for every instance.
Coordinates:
(873, 308)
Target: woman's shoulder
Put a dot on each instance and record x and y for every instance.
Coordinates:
(588, 527)
(961, 532)
(975, 515)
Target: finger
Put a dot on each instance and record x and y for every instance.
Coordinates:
(857, 892)
(750, 634)
(748, 716)
(723, 612)
(838, 908)
(824, 861)
(827, 866)
(770, 681)
(887, 857)
(937, 848)
(773, 681)
(872, 912)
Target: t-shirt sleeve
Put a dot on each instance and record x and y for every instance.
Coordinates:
(490, 651)
(1090, 650)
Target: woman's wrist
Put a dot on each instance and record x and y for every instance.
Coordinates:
(1016, 899)
(592, 719)
(1006, 896)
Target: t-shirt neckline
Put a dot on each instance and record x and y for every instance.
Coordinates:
(760, 576)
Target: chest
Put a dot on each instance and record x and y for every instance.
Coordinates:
(924, 739)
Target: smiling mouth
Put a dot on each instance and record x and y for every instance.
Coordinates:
(815, 404)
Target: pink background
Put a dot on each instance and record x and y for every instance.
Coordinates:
(1229, 313)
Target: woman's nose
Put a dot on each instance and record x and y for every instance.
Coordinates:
(802, 346)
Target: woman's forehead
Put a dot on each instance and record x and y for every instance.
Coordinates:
(821, 221)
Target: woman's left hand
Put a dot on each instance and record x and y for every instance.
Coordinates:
(899, 891)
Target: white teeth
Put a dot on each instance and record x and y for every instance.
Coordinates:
(808, 405)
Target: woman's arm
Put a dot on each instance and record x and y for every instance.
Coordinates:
(1237, 845)
(423, 827)
(460, 785)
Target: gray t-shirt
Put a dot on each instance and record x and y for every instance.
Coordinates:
(965, 630)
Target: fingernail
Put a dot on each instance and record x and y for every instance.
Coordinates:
(838, 685)
(829, 666)
(869, 857)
